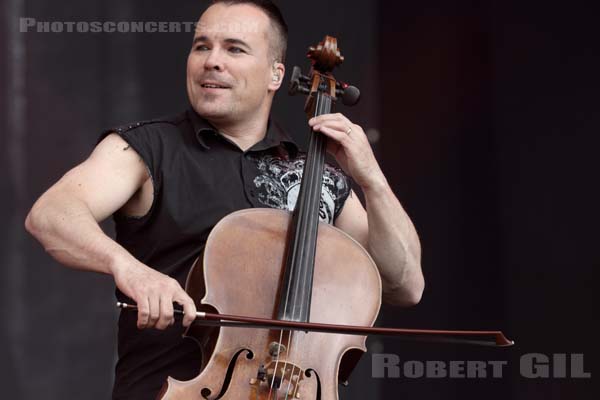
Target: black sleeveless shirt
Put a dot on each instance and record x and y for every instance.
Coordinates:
(198, 176)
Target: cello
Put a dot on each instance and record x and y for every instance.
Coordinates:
(284, 300)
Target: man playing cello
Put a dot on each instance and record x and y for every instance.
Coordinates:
(168, 181)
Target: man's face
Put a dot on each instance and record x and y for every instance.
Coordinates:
(230, 70)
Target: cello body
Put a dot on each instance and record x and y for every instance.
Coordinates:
(241, 272)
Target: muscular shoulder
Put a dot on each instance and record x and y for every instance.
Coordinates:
(155, 127)
(105, 180)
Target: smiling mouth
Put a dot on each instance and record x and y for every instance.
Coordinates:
(214, 86)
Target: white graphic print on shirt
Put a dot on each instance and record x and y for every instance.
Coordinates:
(278, 185)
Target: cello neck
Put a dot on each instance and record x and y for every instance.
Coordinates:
(296, 291)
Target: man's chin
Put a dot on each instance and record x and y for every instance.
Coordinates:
(213, 114)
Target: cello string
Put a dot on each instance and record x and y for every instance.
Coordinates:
(312, 192)
(297, 386)
(276, 363)
(323, 105)
(315, 155)
(285, 307)
(315, 148)
(293, 312)
(287, 391)
(294, 305)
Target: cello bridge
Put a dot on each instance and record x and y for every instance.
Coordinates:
(282, 376)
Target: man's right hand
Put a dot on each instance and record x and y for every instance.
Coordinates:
(154, 293)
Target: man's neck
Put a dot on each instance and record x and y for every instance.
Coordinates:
(245, 131)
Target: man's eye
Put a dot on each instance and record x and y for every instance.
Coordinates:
(236, 50)
(201, 47)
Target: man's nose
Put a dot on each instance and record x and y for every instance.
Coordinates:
(214, 61)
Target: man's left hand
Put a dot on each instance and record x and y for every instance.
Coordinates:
(349, 145)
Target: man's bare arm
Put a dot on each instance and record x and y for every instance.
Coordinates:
(387, 232)
(385, 228)
(65, 221)
(65, 218)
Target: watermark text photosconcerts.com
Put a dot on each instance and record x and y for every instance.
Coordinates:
(32, 25)
(531, 366)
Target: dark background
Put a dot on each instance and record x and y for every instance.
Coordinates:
(485, 120)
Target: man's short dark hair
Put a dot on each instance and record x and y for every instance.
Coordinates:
(278, 45)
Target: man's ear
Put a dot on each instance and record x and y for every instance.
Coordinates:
(278, 72)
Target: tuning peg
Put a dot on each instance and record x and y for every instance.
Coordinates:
(297, 82)
(350, 95)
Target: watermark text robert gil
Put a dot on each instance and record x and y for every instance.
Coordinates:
(531, 365)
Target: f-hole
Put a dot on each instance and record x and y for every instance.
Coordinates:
(206, 391)
(309, 373)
